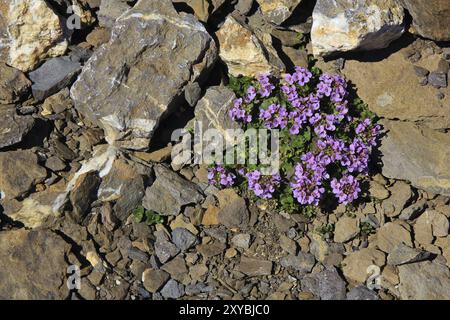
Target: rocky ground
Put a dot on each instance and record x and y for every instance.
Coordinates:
(88, 103)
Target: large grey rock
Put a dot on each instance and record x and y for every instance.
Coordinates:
(424, 281)
(33, 265)
(141, 74)
(418, 154)
(327, 285)
(345, 25)
(170, 192)
(172, 290)
(13, 127)
(430, 18)
(54, 75)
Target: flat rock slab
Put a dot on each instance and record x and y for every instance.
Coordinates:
(140, 76)
(54, 75)
(170, 192)
(33, 265)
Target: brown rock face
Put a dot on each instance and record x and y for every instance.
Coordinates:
(418, 154)
(33, 265)
(431, 18)
(19, 172)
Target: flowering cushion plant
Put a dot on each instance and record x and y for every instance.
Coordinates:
(326, 138)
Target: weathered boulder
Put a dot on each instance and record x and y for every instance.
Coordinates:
(13, 127)
(418, 154)
(278, 11)
(346, 25)
(431, 18)
(141, 74)
(30, 31)
(110, 10)
(244, 52)
(19, 172)
(34, 265)
(170, 192)
(13, 84)
(424, 281)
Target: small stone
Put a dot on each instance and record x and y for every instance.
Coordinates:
(414, 210)
(303, 262)
(183, 239)
(438, 79)
(288, 245)
(253, 267)
(230, 253)
(176, 268)
(378, 191)
(153, 279)
(211, 216)
(346, 229)
(430, 223)
(327, 284)
(392, 234)
(356, 264)
(164, 249)
(211, 249)
(421, 72)
(440, 95)
(233, 211)
(170, 192)
(401, 194)
(241, 241)
(172, 290)
(361, 293)
(403, 254)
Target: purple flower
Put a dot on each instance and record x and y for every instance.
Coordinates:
(346, 189)
(275, 116)
(251, 94)
(219, 176)
(306, 187)
(266, 87)
(238, 113)
(263, 186)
